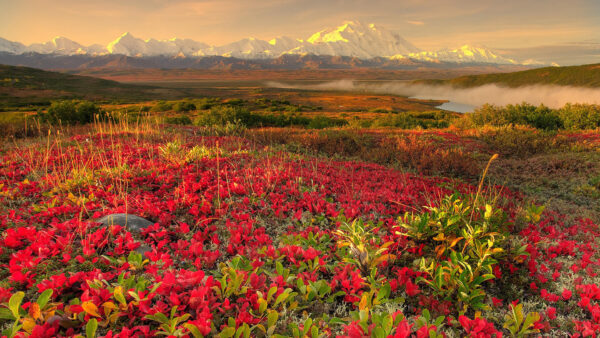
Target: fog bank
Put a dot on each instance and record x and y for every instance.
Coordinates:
(550, 95)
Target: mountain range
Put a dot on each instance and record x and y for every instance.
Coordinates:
(352, 39)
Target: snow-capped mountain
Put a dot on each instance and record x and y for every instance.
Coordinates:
(129, 45)
(357, 40)
(351, 39)
(464, 54)
(249, 48)
(11, 47)
(58, 45)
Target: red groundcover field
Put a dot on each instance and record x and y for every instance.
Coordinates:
(253, 241)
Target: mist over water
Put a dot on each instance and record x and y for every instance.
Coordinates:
(461, 99)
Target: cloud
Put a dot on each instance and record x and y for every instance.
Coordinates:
(564, 54)
(551, 96)
(416, 23)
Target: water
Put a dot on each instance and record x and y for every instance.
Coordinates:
(450, 105)
(457, 107)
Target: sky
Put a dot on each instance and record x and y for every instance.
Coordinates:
(507, 25)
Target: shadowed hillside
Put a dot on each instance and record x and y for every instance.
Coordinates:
(580, 76)
(26, 86)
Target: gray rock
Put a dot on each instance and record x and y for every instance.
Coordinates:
(143, 249)
(133, 223)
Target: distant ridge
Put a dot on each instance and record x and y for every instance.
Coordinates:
(284, 62)
(351, 39)
(578, 76)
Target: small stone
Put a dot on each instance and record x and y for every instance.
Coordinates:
(143, 249)
(133, 223)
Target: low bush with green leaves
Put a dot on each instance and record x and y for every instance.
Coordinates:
(221, 115)
(570, 116)
(70, 112)
(465, 236)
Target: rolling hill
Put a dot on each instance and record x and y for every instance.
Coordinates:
(27, 86)
(578, 76)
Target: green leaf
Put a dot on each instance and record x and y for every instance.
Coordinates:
(193, 330)
(387, 323)
(378, 332)
(295, 331)
(336, 321)
(283, 296)
(228, 332)
(262, 305)
(155, 287)
(314, 332)
(91, 327)
(272, 318)
(12, 331)
(6, 314)
(14, 303)
(44, 298)
(530, 320)
(518, 312)
(239, 332)
(118, 294)
(307, 324)
(384, 292)
(272, 291)
(158, 317)
(183, 318)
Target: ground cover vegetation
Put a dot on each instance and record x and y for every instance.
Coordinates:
(260, 230)
(272, 219)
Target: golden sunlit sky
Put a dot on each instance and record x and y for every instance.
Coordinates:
(428, 24)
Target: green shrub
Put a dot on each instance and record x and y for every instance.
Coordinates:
(462, 239)
(320, 122)
(221, 115)
(206, 102)
(184, 106)
(411, 120)
(162, 106)
(71, 112)
(580, 116)
(181, 120)
(571, 116)
(235, 102)
(543, 117)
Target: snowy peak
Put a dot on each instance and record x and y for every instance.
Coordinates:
(284, 43)
(58, 45)
(11, 47)
(246, 48)
(354, 38)
(463, 54)
(129, 45)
